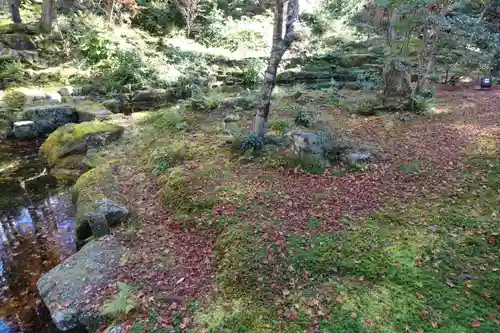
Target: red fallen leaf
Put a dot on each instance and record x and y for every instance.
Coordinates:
(475, 323)
(486, 294)
(368, 322)
(280, 243)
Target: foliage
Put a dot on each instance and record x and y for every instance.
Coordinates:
(252, 72)
(158, 17)
(168, 120)
(252, 141)
(190, 9)
(14, 99)
(279, 126)
(304, 118)
(122, 303)
(11, 72)
(202, 103)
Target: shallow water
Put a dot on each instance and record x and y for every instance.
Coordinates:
(36, 233)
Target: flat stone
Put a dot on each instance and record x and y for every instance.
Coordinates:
(24, 130)
(88, 110)
(53, 97)
(49, 117)
(64, 289)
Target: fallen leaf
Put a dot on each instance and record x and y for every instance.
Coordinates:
(475, 323)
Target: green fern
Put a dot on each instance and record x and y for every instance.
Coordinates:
(122, 303)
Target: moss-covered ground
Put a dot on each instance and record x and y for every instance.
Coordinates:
(244, 243)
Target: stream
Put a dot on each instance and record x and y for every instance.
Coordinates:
(36, 233)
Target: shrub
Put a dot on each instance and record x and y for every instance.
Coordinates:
(252, 72)
(11, 72)
(252, 141)
(169, 120)
(14, 99)
(428, 93)
(158, 17)
(202, 103)
(421, 105)
(304, 118)
(279, 126)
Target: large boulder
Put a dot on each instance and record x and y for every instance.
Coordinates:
(67, 147)
(19, 42)
(330, 149)
(95, 195)
(88, 110)
(300, 143)
(49, 117)
(64, 288)
(145, 99)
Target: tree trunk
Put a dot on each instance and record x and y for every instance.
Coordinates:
(110, 7)
(429, 47)
(48, 15)
(14, 10)
(280, 45)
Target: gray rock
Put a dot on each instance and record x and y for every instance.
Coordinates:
(64, 288)
(151, 97)
(53, 97)
(6, 53)
(19, 42)
(231, 118)
(97, 206)
(66, 91)
(300, 143)
(24, 130)
(112, 105)
(356, 157)
(49, 117)
(233, 103)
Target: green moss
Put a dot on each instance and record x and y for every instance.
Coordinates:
(14, 99)
(88, 110)
(90, 184)
(72, 134)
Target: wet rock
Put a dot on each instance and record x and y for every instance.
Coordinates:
(66, 147)
(24, 130)
(97, 206)
(64, 288)
(49, 117)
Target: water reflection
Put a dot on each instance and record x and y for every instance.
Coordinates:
(34, 238)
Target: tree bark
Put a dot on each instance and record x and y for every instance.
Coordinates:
(14, 11)
(110, 7)
(429, 47)
(281, 43)
(48, 15)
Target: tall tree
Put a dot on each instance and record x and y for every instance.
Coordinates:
(48, 15)
(110, 7)
(281, 43)
(14, 10)
(190, 9)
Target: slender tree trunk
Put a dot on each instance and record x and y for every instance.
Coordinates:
(14, 10)
(430, 42)
(48, 15)
(281, 43)
(110, 7)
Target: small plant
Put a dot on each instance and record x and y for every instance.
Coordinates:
(428, 93)
(279, 126)
(411, 168)
(169, 120)
(202, 103)
(252, 141)
(11, 72)
(304, 119)
(162, 164)
(122, 303)
(421, 105)
(14, 99)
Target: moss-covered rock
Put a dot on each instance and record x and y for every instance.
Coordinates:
(66, 147)
(88, 110)
(95, 198)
